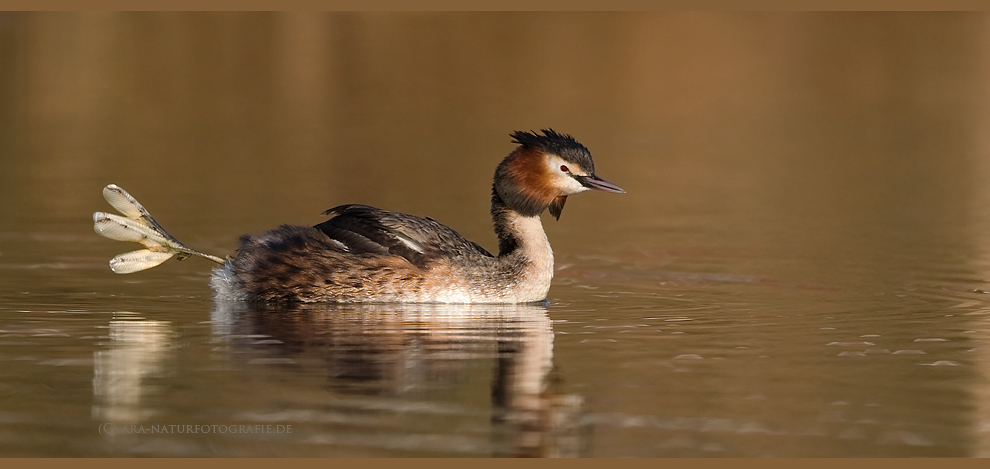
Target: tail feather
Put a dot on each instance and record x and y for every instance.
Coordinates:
(137, 225)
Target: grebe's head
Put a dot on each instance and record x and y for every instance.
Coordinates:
(544, 170)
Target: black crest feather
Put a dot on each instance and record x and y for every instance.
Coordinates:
(562, 145)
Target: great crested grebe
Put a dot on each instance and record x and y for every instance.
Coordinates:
(365, 254)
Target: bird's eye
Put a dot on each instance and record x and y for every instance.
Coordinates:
(563, 168)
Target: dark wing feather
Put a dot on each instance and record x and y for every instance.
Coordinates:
(365, 229)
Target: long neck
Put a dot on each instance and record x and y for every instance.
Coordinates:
(524, 254)
(521, 236)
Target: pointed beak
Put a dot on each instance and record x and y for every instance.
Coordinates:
(599, 184)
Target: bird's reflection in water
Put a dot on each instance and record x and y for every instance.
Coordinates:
(138, 350)
(387, 350)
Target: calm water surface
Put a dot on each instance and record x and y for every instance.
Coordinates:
(800, 266)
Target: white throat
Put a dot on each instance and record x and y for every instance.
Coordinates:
(534, 248)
